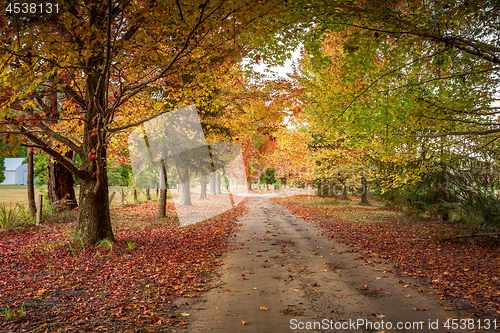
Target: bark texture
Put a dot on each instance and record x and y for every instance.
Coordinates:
(162, 203)
(212, 184)
(60, 185)
(162, 199)
(31, 187)
(364, 195)
(94, 222)
(203, 191)
(217, 182)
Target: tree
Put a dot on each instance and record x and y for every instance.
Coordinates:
(290, 156)
(31, 187)
(2, 168)
(101, 56)
(414, 82)
(40, 168)
(425, 63)
(60, 184)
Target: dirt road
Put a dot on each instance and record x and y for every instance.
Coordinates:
(281, 275)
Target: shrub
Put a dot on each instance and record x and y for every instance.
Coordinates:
(14, 218)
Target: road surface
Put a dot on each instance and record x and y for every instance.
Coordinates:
(281, 275)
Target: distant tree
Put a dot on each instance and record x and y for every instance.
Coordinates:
(120, 175)
(40, 168)
(2, 168)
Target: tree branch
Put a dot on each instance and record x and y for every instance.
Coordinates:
(66, 162)
(459, 133)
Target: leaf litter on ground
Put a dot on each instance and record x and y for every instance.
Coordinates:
(465, 271)
(138, 282)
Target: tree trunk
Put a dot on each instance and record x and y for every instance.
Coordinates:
(258, 186)
(364, 195)
(162, 200)
(212, 184)
(94, 221)
(344, 195)
(203, 184)
(31, 187)
(162, 203)
(249, 185)
(184, 187)
(60, 184)
(217, 182)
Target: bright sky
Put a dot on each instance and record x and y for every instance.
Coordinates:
(280, 70)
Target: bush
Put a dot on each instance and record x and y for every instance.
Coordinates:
(14, 218)
(465, 192)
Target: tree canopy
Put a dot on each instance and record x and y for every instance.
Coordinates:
(67, 76)
(407, 86)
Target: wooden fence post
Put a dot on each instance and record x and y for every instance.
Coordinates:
(111, 197)
(122, 196)
(39, 209)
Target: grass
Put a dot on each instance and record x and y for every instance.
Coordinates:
(105, 244)
(14, 217)
(9, 313)
(10, 195)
